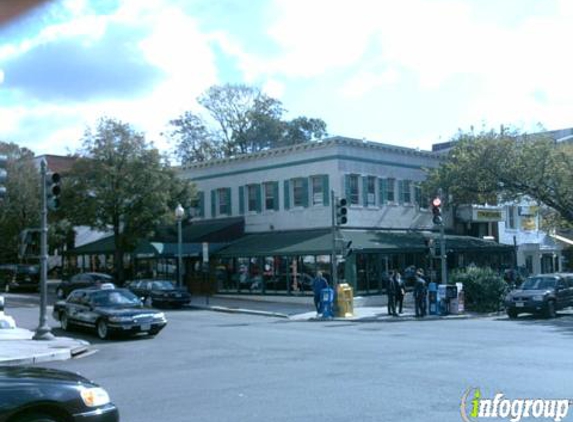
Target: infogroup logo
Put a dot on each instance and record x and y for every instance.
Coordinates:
(474, 407)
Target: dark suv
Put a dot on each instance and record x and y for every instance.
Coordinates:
(541, 294)
(19, 276)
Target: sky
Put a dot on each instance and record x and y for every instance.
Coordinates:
(409, 72)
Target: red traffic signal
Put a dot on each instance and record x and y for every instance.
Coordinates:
(437, 211)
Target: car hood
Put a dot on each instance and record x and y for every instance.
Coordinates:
(529, 293)
(171, 291)
(125, 311)
(20, 374)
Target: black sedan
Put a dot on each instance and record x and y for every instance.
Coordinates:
(108, 311)
(33, 394)
(82, 281)
(160, 293)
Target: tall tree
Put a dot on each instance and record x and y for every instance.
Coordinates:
(246, 121)
(20, 209)
(492, 166)
(121, 182)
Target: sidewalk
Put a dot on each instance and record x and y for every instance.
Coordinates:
(18, 348)
(301, 308)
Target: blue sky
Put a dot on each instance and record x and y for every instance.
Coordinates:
(408, 72)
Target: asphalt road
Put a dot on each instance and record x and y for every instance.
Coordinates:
(208, 366)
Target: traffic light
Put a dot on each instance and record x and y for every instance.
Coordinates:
(53, 190)
(3, 175)
(437, 211)
(341, 212)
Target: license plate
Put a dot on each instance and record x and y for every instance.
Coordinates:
(519, 304)
(145, 327)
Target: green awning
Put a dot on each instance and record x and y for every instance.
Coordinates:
(385, 241)
(468, 243)
(319, 242)
(103, 246)
(170, 250)
(296, 242)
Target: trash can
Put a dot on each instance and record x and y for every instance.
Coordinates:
(446, 294)
(326, 302)
(461, 298)
(344, 301)
(433, 299)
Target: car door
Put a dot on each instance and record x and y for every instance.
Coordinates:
(136, 288)
(72, 304)
(569, 281)
(84, 310)
(562, 293)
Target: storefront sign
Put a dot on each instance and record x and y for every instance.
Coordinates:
(488, 215)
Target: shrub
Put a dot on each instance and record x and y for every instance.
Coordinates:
(483, 288)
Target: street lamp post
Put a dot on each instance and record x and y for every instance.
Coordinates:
(179, 213)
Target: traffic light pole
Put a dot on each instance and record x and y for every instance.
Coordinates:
(443, 247)
(443, 254)
(333, 262)
(43, 332)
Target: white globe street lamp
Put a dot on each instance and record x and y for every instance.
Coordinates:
(179, 214)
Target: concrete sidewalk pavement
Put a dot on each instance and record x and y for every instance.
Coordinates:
(18, 348)
(301, 308)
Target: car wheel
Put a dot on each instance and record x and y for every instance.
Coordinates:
(102, 329)
(35, 417)
(64, 322)
(551, 312)
(60, 293)
(512, 313)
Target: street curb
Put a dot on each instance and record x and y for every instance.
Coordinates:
(238, 311)
(55, 354)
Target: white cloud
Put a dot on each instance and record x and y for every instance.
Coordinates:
(172, 42)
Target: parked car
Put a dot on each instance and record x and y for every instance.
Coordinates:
(34, 394)
(82, 281)
(19, 276)
(160, 293)
(108, 312)
(541, 294)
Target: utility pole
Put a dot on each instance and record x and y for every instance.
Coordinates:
(438, 221)
(333, 263)
(43, 332)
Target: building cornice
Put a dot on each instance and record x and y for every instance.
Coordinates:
(312, 146)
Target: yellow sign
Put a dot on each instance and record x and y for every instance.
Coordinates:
(488, 215)
(528, 223)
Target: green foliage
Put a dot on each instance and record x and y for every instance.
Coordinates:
(492, 167)
(483, 288)
(121, 182)
(20, 208)
(246, 121)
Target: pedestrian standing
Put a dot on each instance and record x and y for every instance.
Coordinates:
(318, 284)
(400, 291)
(420, 293)
(391, 292)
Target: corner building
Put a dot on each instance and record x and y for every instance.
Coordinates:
(285, 197)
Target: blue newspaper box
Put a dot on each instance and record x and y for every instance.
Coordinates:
(433, 299)
(326, 302)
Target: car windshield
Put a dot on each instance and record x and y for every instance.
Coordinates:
(28, 269)
(538, 283)
(114, 298)
(162, 285)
